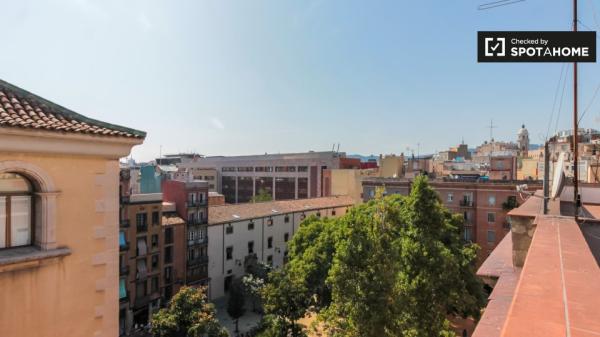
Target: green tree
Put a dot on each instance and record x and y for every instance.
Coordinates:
(310, 256)
(189, 314)
(262, 196)
(285, 301)
(400, 268)
(235, 303)
(395, 266)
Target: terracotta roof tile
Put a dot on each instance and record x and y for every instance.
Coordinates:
(230, 213)
(22, 109)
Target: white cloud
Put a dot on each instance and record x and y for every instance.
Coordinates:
(217, 123)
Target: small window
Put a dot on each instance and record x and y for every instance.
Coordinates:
(229, 253)
(142, 248)
(491, 236)
(154, 284)
(250, 247)
(270, 260)
(250, 225)
(318, 214)
(333, 212)
(169, 254)
(270, 242)
(450, 197)
(154, 240)
(141, 220)
(169, 235)
(154, 263)
(229, 229)
(122, 288)
(155, 219)
(302, 216)
(492, 200)
(286, 237)
(286, 219)
(491, 217)
(16, 210)
(122, 240)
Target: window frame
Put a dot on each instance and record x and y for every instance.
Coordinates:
(8, 209)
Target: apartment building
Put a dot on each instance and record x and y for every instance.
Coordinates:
(191, 203)
(283, 176)
(58, 218)
(142, 259)
(243, 233)
(482, 203)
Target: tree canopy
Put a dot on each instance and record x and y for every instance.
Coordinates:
(395, 266)
(189, 314)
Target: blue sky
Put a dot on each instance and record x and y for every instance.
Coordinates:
(248, 77)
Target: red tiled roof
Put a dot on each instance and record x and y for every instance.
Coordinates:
(231, 213)
(22, 109)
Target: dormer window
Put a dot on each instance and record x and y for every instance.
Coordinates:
(16, 210)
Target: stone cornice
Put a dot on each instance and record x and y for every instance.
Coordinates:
(39, 141)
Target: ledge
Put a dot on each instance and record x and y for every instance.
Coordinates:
(28, 257)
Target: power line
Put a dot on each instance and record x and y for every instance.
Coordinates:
(589, 104)
(561, 101)
(499, 3)
(560, 78)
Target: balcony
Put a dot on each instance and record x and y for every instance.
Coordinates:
(199, 260)
(199, 241)
(195, 221)
(195, 203)
(124, 199)
(124, 223)
(467, 203)
(123, 270)
(125, 247)
(141, 228)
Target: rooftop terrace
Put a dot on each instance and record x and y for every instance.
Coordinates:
(546, 279)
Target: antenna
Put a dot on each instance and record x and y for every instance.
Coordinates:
(492, 127)
(338, 148)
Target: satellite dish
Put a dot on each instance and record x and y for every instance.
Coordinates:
(558, 181)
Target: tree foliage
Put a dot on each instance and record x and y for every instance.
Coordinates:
(189, 314)
(262, 196)
(395, 266)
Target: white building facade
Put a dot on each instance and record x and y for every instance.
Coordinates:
(239, 234)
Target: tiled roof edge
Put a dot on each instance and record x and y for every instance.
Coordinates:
(69, 113)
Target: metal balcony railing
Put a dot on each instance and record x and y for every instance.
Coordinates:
(467, 203)
(124, 223)
(124, 199)
(196, 221)
(195, 203)
(198, 241)
(198, 260)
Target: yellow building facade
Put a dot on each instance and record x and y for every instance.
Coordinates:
(59, 215)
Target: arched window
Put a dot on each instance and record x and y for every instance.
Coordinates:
(16, 210)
